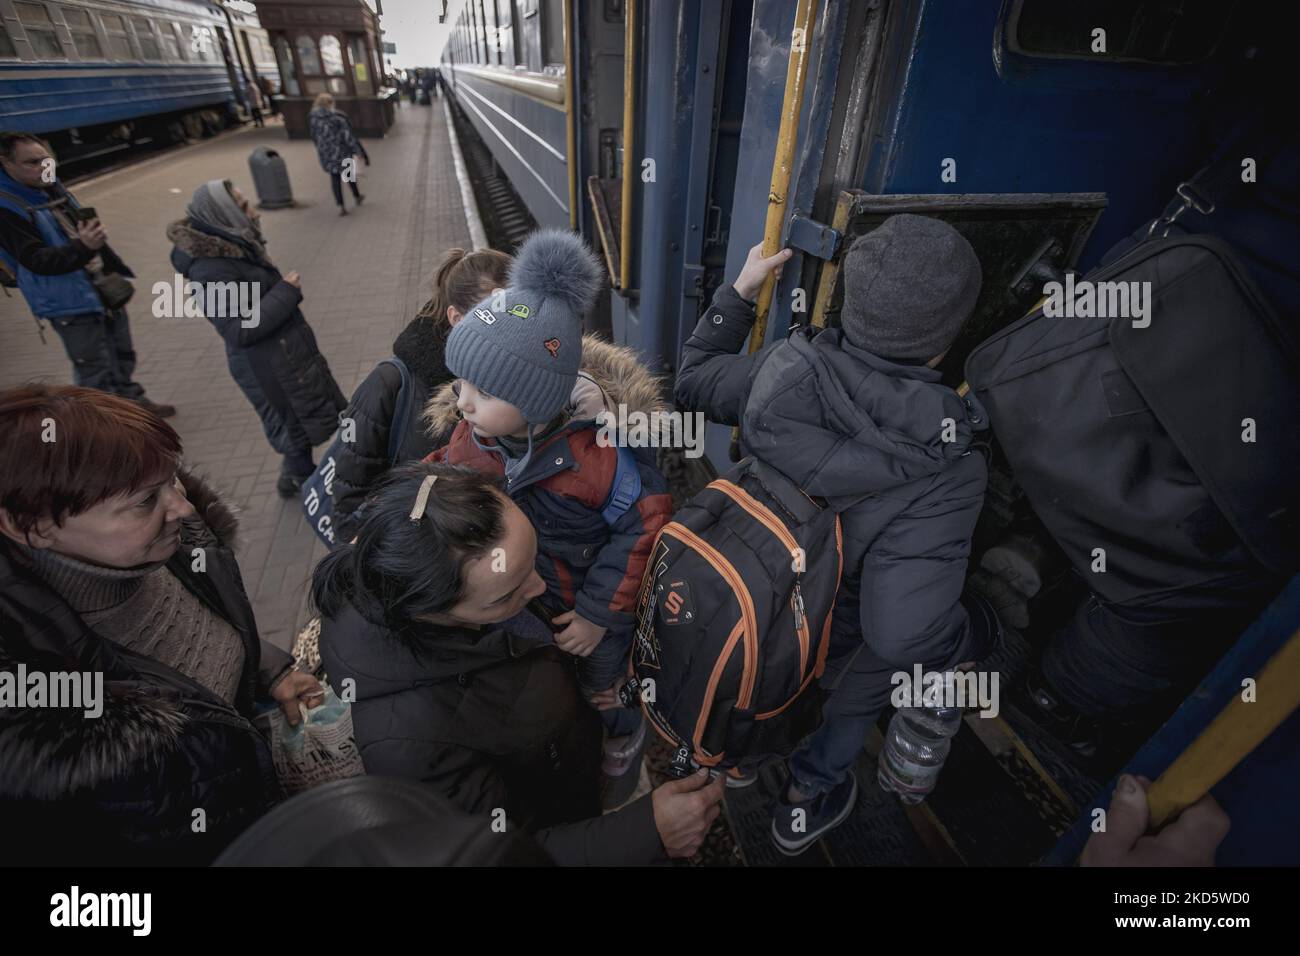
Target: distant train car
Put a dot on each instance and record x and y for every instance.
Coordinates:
(98, 75)
(252, 45)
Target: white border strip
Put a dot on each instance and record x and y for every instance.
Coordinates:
(478, 238)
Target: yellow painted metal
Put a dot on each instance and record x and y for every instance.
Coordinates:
(629, 126)
(796, 76)
(571, 113)
(826, 284)
(1240, 727)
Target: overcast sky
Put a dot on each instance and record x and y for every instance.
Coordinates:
(413, 25)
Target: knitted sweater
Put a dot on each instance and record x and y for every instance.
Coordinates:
(148, 610)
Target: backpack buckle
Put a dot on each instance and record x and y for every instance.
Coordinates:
(1188, 197)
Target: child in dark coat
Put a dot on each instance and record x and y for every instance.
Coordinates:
(858, 416)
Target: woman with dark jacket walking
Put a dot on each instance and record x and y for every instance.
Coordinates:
(460, 686)
(335, 145)
(117, 572)
(271, 351)
(462, 280)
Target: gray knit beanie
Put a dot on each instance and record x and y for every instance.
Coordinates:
(523, 344)
(909, 286)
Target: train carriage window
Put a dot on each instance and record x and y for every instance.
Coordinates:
(284, 60)
(6, 44)
(119, 47)
(553, 34)
(307, 55)
(1151, 31)
(83, 34)
(144, 35)
(331, 55)
(40, 31)
(170, 43)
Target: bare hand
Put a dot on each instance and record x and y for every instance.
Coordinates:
(581, 637)
(92, 234)
(756, 270)
(1190, 840)
(293, 279)
(684, 810)
(294, 687)
(608, 699)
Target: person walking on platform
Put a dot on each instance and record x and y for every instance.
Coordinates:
(253, 96)
(268, 94)
(271, 351)
(58, 254)
(336, 145)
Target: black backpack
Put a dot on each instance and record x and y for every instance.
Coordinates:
(1136, 440)
(734, 616)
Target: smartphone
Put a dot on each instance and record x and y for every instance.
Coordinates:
(85, 213)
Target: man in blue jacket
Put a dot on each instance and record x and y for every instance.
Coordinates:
(52, 254)
(858, 416)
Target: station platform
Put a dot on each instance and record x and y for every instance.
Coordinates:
(364, 275)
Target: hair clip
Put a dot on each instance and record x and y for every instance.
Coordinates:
(422, 499)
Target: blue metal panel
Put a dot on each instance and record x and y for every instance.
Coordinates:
(527, 138)
(39, 98)
(1028, 124)
(1260, 793)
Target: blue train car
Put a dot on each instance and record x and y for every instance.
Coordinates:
(675, 135)
(87, 73)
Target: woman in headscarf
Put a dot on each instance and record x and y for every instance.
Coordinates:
(270, 348)
(335, 144)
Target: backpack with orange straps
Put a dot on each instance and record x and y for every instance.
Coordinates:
(734, 615)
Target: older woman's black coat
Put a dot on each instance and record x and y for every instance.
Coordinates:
(276, 362)
(494, 722)
(122, 789)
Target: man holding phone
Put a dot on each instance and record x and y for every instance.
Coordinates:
(58, 253)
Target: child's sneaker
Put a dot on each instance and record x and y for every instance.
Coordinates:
(794, 832)
(620, 765)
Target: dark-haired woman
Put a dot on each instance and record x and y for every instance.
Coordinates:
(462, 280)
(272, 353)
(460, 686)
(117, 571)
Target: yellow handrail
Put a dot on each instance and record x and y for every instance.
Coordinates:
(796, 75)
(629, 161)
(1238, 729)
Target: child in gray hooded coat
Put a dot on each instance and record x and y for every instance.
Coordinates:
(858, 416)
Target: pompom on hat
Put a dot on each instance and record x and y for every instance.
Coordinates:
(523, 344)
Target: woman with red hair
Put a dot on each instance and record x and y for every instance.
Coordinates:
(117, 565)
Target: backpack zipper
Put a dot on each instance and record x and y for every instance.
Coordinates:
(764, 516)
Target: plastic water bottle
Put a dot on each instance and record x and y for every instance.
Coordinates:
(916, 745)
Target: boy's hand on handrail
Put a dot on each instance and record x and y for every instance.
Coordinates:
(756, 269)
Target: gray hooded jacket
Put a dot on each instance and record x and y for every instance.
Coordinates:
(868, 435)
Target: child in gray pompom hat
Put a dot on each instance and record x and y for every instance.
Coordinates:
(530, 411)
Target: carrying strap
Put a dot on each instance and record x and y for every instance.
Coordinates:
(402, 412)
(1220, 178)
(626, 488)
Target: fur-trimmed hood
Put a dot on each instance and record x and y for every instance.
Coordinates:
(611, 375)
(422, 345)
(202, 245)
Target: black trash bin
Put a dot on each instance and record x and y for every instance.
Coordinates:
(270, 179)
